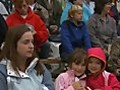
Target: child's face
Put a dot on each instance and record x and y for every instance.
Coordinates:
(79, 69)
(78, 16)
(94, 65)
(21, 7)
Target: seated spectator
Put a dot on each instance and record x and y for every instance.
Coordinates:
(74, 77)
(74, 33)
(54, 9)
(101, 26)
(22, 15)
(97, 77)
(23, 70)
(50, 12)
(114, 59)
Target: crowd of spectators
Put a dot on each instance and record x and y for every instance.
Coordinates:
(27, 28)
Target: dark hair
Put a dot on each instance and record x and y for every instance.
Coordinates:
(100, 4)
(78, 56)
(9, 50)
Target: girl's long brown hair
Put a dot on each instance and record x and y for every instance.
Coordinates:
(9, 50)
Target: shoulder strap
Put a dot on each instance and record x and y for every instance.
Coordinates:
(106, 77)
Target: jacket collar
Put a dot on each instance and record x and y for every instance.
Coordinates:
(101, 20)
(30, 68)
(80, 24)
(71, 73)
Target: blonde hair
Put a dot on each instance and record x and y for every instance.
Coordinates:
(73, 10)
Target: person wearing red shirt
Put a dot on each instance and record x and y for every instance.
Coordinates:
(24, 15)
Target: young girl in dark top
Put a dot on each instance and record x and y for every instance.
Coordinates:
(74, 32)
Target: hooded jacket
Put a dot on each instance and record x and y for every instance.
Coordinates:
(99, 81)
(73, 36)
(65, 80)
(8, 78)
(41, 31)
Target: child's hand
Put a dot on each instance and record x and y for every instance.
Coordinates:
(78, 86)
(97, 89)
(53, 29)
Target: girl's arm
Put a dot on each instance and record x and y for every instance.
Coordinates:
(113, 83)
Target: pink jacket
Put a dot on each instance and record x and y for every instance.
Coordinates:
(102, 81)
(65, 80)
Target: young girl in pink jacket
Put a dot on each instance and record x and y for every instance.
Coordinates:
(74, 77)
(98, 78)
